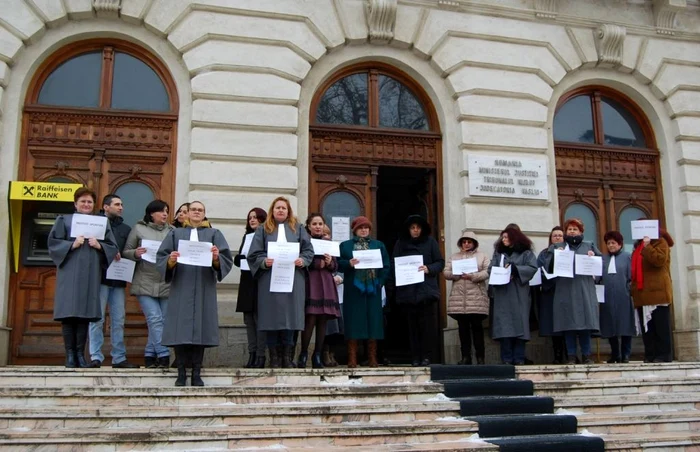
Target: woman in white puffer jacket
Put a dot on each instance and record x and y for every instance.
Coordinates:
(468, 303)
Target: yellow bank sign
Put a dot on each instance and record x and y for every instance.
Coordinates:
(42, 191)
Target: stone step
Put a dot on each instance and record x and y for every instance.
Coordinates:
(346, 434)
(90, 417)
(659, 442)
(617, 386)
(37, 376)
(161, 396)
(639, 422)
(607, 371)
(504, 387)
(671, 401)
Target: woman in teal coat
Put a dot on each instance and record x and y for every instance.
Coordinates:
(362, 293)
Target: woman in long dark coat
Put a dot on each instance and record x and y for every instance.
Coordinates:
(247, 301)
(192, 323)
(80, 262)
(545, 308)
(575, 301)
(617, 313)
(362, 292)
(321, 296)
(280, 313)
(510, 323)
(418, 300)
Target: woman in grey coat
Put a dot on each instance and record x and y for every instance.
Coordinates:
(510, 322)
(148, 284)
(617, 313)
(575, 302)
(192, 323)
(280, 313)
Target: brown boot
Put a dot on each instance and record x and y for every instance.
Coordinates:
(326, 357)
(352, 353)
(334, 363)
(372, 352)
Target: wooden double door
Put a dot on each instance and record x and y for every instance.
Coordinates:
(132, 156)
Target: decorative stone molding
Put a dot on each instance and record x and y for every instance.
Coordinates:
(609, 42)
(665, 15)
(448, 4)
(381, 19)
(546, 9)
(107, 5)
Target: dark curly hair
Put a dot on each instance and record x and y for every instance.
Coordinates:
(518, 241)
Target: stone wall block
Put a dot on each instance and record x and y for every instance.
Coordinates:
(295, 34)
(163, 14)
(688, 175)
(250, 176)
(407, 22)
(381, 20)
(246, 85)
(243, 144)
(133, 11)
(610, 40)
(51, 11)
(352, 16)
(505, 137)
(687, 150)
(79, 9)
(493, 217)
(9, 44)
(683, 102)
(4, 73)
(690, 202)
(237, 206)
(660, 50)
(480, 80)
(18, 15)
(503, 109)
(247, 56)
(245, 113)
(674, 75)
(585, 39)
(689, 126)
(630, 53)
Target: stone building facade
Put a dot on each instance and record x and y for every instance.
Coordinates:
(241, 124)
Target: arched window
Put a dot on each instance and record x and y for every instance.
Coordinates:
(135, 197)
(372, 98)
(606, 160)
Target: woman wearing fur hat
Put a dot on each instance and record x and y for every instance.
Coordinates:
(362, 292)
(468, 303)
(418, 300)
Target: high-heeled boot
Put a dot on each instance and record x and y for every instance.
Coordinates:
(69, 343)
(180, 359)
(352, 353)
(372, 353)
(275, 359)
(301, 361)
(251, 361)
(316, 361)
(81, 334)
(197, 358)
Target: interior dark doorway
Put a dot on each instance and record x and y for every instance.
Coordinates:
(404, 191)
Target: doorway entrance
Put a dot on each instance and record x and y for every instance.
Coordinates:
(375, 150)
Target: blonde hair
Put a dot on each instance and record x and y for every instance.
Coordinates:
(271, 223)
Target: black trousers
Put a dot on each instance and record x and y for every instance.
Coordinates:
(471, 326)
(421, 328)
(658, 342)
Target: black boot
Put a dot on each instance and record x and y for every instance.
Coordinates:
(465, 361)
(197, 358)
(81, 333)
(69, 344)
(251, 361)
(316, 362)
(301, 361)
(275, 359)
(181, 369)
(558, 347)
(259, 362)
(286, 352)
(150, 362)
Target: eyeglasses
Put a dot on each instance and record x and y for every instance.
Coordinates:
(196, 210)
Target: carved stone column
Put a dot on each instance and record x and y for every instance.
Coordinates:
(381, 20)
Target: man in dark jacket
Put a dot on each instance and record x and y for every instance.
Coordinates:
(112, 292)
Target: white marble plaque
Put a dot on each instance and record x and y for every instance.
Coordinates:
(508, 177)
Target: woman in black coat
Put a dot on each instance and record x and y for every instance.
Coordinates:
(418, 300)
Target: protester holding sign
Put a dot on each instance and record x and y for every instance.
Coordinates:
(362, 291)
(652, 293)
(280, 313)
(510, 323)
(617, 313)
(80, 263)
(544, 296)
(418, 301)
(192, 321)
(321, 296)
(575, 302)
(247, 301)
(468, 303)
(148, 284)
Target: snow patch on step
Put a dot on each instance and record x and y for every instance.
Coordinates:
(451, 419)
(438, 398)
(585, 432)
(350, 382)
(563, 411)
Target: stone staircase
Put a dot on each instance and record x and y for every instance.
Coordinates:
(636, 406)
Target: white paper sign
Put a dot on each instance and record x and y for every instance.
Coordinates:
(195, 253)
(88, 226)
(151, 250)
(121, 270)
(536, 279)
(589, 265)
(499, 276)
(326, 247)
(406, 270)
(283, 251)
(645, 228)
(244, 251)
(600, 293)
(368, 259)
(563, 263)
(340, 229)
(282, 277)
(548, 275)
(464, 266)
